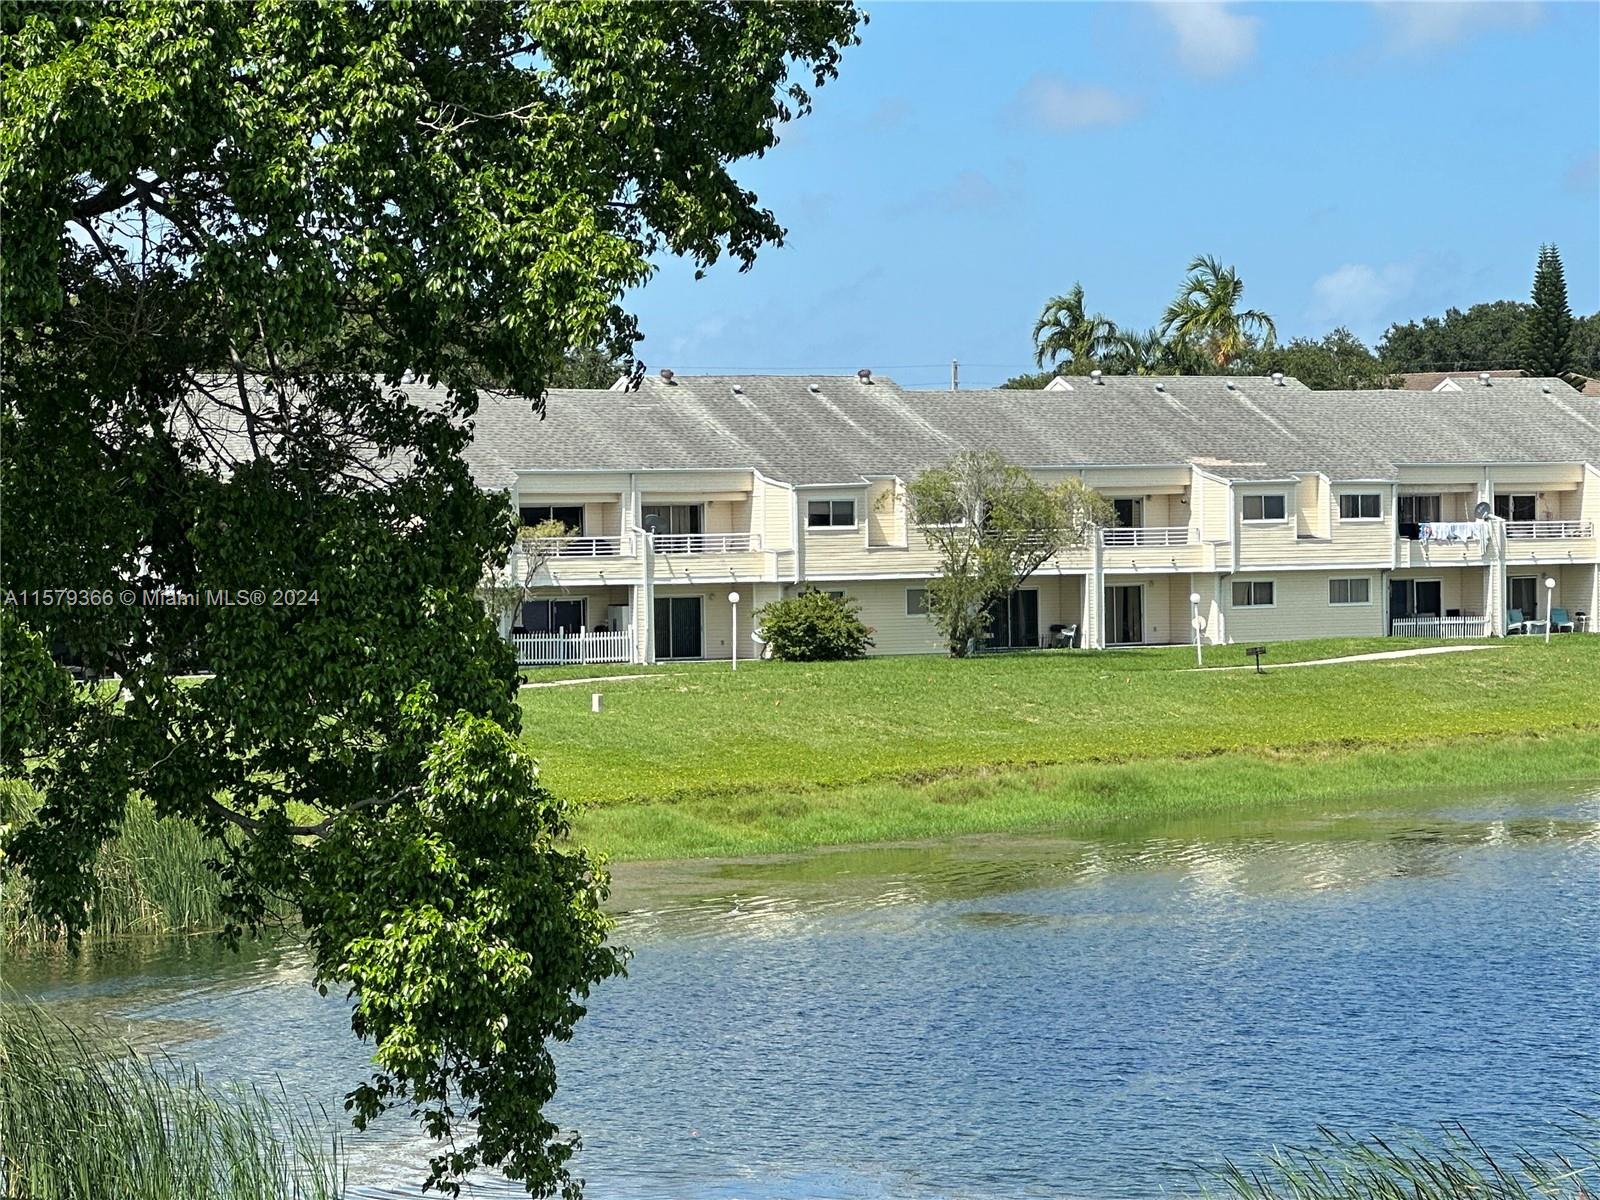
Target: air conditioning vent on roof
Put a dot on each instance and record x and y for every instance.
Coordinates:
(1161, 387)
(865, 375)
(1277, 378)
(666, 374)
(1231, 386)
(1096, 376)
(738, 390)
(814, 388)
(1484, 377)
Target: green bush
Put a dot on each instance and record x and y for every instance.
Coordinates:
(814, 627)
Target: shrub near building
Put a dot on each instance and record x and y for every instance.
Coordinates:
(814, 627)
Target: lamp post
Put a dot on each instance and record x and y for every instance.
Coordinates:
(1194, 605)
(733, 601)
(1549, 599)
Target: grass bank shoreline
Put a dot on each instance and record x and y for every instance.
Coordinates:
(1086, 796)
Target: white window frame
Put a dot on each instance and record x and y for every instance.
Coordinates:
(1246, 497)
(1349, 579)
(1358, 497)
(855, 514)
(917, 612)
(1252, 584)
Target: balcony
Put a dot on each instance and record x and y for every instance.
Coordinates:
(1146, 535)
(1142, 548)
(706, 543)
(1542, 530)
(574, 547)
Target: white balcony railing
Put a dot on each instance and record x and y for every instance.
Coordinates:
(706, 543)
(575, 547)
(546, 649)
(1147, 535)
(1445, 628)
(1549, 529)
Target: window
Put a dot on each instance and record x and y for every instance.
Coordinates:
(1360, 506)
(834, 595)
(1414, 510)
(1516, 508)
(1268, 507)
(570, 515)
(673, 519)
(916, 602)
(1255, 593)
(1350, 591)
(830, 514)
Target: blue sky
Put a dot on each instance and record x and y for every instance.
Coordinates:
(1358, 163)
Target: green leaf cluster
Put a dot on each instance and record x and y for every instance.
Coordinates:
(993, 524)
(237, 234)
(814, 627)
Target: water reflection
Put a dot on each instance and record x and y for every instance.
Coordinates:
(1009, 1017)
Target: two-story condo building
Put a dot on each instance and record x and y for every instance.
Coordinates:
(1291, 513)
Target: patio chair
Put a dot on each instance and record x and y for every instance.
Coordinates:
(1514, 622)
(1560, 622)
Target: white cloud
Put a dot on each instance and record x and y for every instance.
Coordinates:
(1212, 39)
(1411, 26)
(1359, 295)
(1050, 103)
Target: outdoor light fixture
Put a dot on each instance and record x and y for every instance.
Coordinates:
(1549, 599)
(733, 642)
(1194, 603)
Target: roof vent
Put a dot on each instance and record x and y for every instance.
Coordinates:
(666, 374)
(865, 375)
(1161, 387)
(1096, 376)
(1231, 386)
(1545, 388)
(1483, 378)
(738, 390)
(814, 388)
(1277, 378)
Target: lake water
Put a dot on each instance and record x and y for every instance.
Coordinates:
(1009, 1017)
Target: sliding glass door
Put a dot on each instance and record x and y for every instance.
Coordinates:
(678, 624)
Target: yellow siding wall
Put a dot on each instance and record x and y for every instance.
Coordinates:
(1216, 510)
(1302, 609)
(1354, 541)
(1312, 506)
(776, 507)
(886, 517)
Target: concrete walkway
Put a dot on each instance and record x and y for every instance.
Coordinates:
(599, 679)
(1380, 655)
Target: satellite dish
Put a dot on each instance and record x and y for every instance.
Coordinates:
(655, 523)
(1483, 510)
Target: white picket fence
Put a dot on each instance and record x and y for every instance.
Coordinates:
(549, 649)
(1440, 627)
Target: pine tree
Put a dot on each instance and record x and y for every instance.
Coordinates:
(1546, 336)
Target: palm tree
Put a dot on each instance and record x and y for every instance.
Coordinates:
(1206, 314)
(1064, 329)
(1149, 353)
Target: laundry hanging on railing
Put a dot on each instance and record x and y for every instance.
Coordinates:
(1452, 531)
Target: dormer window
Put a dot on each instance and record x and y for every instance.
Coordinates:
(830, 514)
(1265, 506)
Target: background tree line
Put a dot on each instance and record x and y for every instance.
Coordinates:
(1206, 331)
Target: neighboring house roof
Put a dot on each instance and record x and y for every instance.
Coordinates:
(836, 429)
(1063, 383)
(1429, 381)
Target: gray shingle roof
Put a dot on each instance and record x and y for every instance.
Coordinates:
(834, 429)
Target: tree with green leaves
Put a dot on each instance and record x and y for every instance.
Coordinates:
(1205, 315)
(993, 525)
(1481, 338)
(1338, 360)
(233, 232)
(1545, 339)
(1069, 338)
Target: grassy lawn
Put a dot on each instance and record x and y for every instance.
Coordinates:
(704, 739)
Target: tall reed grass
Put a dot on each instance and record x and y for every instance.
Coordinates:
(81, 1120)
(152, 877)
(1343, 1167)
